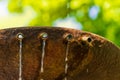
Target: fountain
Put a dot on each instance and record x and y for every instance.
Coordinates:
(40, 53)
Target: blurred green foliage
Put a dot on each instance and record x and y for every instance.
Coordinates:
(105, 24)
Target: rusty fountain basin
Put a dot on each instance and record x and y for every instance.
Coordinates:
(90, 57)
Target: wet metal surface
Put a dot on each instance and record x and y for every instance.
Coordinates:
(82, 56)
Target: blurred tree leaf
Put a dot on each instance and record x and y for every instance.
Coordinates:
(106, 23)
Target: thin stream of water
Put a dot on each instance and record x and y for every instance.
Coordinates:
(66, 60)
(42, 59)
(20, 60)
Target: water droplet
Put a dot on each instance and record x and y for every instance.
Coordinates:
(20, 36)
(44, 35)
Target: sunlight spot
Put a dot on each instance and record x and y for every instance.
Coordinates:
(69, 22)
(93, 12)
(3, 8)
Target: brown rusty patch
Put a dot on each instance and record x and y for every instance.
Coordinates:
(96, 55)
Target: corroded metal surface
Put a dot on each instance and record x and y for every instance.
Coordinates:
(91, 57)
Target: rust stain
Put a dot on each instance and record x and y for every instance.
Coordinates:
(93, 53)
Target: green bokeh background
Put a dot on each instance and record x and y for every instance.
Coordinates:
(106, 24)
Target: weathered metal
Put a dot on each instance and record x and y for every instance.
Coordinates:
(91, 57)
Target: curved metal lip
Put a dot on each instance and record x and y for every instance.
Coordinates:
(99, 53)
(55, 28)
